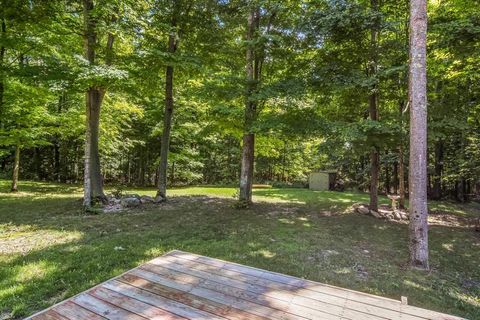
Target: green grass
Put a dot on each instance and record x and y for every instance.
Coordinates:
(50, 251)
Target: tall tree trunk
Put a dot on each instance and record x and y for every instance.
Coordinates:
(93, 189)
(401, 160)
(56, 144)
(56, 161)
(37, 161)
(373, 111)
(437, 179)
(418, 135)
(2, 75)
(16, 169)
(387, 177)
(395, 177)
(248, 147)
(167, 118)
(93, 182)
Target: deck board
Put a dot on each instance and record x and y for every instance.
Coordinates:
(181, 285)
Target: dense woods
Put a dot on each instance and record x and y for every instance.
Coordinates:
(235, 92)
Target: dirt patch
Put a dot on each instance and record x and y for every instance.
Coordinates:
(443, 218)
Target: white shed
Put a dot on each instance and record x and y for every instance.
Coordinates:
(322, 180)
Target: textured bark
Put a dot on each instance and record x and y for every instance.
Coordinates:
(93, 189)
(395, 178)
(401, 157)
(437, 179)
(167, 118)
(248, 147)
(387, 177)
(37, 163)
(401, 177)
(373, 111)
(418, 135)
(16, 169)
(374, 166)
(2, 92)
(2, 76)
(93, 182)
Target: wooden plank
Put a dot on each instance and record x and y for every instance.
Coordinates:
(251, 292)
(73, 311)
(197, 302)
(226, 290)
(132, 305)
(104, 309)
(285, 301)
(181, 285)
(172, 306)
(219, 297)
(49, 315)
(360, 297)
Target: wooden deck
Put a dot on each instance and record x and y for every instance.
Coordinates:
(181, 285)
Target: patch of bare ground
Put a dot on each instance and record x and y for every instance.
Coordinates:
(447, 219)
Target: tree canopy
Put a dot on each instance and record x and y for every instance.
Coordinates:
(318, 70)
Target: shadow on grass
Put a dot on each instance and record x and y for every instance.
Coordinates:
(36, 187)
(351, 251)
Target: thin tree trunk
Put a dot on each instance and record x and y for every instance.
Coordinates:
(248, 147)
(2, 75)
(37, 160)
(461, 190)
(284, 160)
(437, 179)
(395, 177)
(167, 118)
(56, 145)
(56, 161)
(16, 169)
(373, 110)
(418, 135)
(401, 165)
(387, 177)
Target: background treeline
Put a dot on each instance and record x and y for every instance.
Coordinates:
(332, 93)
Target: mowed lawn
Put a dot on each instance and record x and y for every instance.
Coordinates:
(49, 250)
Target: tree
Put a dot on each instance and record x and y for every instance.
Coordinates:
(248, 147)
(169, 104)
(373, 107)
(93, 181)
(418, 135)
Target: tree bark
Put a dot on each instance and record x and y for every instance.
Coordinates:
(93, 189)
(16, 169)
(2, 75)
(37, 161)
(437, 179)
(248, 147)
(387, 177)
(401, 165)
(418, 135)
(93, 182)
(167, 118)
(373, 111)
(401, 178)
(395, 177)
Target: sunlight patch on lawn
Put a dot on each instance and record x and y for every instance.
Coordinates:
(448, 246)
(264, 253)
(286, 221)
(415, 285)
(465, 298)
(344, 270)
(34, 270)
(25, 238)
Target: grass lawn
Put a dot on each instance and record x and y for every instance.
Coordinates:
(50, 251)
